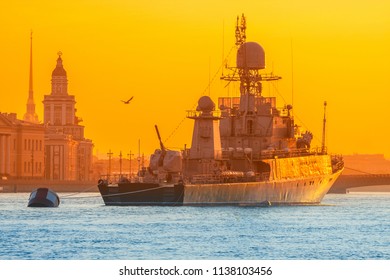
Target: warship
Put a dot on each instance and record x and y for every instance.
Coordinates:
(249, 152)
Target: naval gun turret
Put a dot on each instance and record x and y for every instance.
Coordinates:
(165, 164)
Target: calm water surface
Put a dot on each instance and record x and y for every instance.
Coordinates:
(351, 226)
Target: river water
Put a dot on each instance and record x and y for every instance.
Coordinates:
(354, 226)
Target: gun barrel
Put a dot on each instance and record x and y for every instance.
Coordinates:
(159, 138)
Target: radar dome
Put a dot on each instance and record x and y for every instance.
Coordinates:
(251, 55)
(205, 104)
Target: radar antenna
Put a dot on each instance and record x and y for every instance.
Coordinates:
(250, 60)
(240, 31)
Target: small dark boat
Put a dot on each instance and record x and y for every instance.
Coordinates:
(43, 197)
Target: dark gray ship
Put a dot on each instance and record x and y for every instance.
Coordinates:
(249, 152)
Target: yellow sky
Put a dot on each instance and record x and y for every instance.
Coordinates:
(165, 52)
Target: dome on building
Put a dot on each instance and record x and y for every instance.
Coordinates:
(205, 104)
(59, 70)
(251, 55)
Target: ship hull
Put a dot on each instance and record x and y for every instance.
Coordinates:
(309, 190)
(141, 194)
(295, 191)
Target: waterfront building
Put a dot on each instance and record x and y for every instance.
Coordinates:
(68, 153)
(22, 141)
(21, 148)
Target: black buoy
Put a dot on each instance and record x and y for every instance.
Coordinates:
(43, 197)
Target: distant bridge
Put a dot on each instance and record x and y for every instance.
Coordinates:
(345, 182)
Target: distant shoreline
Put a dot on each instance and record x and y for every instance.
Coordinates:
(384, 188)
(21, 186)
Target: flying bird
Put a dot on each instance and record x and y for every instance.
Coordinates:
(128, 101)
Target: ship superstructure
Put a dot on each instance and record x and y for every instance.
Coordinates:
(249, 152)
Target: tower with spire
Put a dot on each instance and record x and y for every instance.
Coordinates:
(30, 115)
(59, 106)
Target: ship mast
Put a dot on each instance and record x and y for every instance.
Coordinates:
(250, 59)
(240, 31)
(323, 146)
(249, 122)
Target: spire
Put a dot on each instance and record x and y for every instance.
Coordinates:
(30, 114)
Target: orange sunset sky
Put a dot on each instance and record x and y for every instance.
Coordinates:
(165, 52)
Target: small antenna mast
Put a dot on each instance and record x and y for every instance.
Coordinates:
(223, 45)
(240, 31)
(292, 75)
(323, 148)
(139, 156)
(209, 75)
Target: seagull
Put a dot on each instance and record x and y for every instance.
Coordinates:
(128, 101)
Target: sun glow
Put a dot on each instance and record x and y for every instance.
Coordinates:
(164, 53)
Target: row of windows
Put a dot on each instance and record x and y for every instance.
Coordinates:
(58, 111)
(29, 167)
(31, 145)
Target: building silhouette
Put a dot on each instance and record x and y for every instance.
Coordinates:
(21, 148)
(22, 141)
(68, 154)
(53, 150)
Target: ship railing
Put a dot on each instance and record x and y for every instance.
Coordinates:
(266, 154)
(269, 154)
(196, 114)
(284, 153)
(112, 178)
(319, 150)
(337, 162)
(121, 178)
(204, 178)
(234, 177)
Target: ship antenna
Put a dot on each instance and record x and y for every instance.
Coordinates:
(209, 76)
(240, 31)
(323, 148)
(223, 44)
(292, 74)
(139, 156)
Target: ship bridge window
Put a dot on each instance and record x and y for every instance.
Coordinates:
(249, 126)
